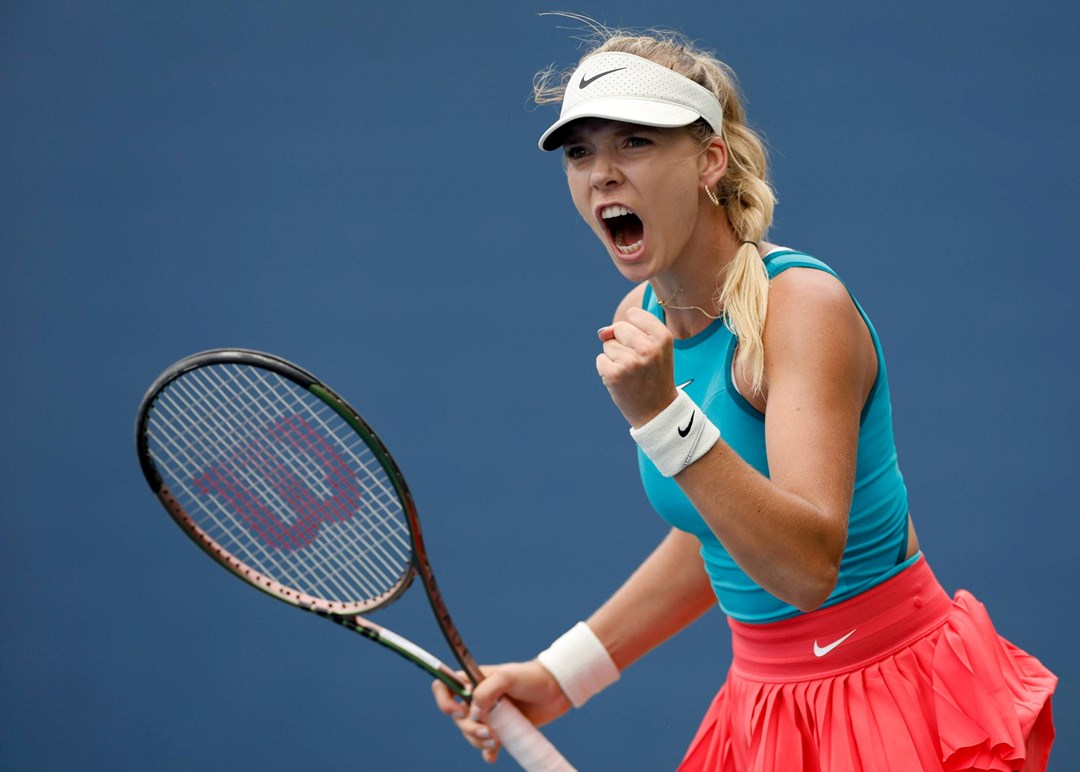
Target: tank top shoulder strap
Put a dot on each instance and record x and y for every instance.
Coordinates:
(780, 260)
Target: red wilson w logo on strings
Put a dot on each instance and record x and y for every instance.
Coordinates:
(291, 462)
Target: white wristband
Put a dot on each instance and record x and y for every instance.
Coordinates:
(580, 664)
(677, 436)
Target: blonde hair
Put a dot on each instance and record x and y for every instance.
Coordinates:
(744, 191)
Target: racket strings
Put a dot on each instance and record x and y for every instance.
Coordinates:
(331, 544)
(252, 475)
(257, 554)
(384, 495)
(279, 480)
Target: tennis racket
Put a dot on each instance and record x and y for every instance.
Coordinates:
(285, 485)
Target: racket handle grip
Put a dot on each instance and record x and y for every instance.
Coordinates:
(523, 741)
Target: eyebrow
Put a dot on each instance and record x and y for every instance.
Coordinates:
(623, 130)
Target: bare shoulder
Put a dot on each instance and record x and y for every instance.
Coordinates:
(808, 287)
(634, 298)
(813, 325)
(806, 301)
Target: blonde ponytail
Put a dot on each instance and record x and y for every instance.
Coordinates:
(748, 201)
(744, 297)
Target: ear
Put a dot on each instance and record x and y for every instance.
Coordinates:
(714, 162)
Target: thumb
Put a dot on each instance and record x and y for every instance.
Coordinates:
(487, 693)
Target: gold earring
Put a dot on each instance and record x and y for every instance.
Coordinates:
(712, 196)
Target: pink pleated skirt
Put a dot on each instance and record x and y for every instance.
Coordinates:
(900, 678)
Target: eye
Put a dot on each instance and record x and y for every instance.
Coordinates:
(573, 152)
(638, 141)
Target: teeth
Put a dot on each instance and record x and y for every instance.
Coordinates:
(614, 211)
(627, 250)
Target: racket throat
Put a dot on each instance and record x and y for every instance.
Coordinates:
(423, 659)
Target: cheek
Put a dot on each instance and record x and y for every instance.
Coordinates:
(680, 207)
(576, 193)
(579, 194)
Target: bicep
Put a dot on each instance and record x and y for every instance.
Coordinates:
(819, 358)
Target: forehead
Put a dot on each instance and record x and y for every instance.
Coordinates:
(591, 129)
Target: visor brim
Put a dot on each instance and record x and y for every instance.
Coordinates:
(645, 112)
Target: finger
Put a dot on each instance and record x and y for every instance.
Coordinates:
(478, 735)
(475, 732)
(641, 318)
(488, 692)
(483, 701)
(635, 351)
(606, 333)
(603, 365)
(446, 701)
(630, 335)
(617, 361)
(617, 351)
(646, 340)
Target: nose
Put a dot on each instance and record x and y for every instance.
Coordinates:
(605, 171)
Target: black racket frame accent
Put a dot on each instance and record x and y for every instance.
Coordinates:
(420, 564)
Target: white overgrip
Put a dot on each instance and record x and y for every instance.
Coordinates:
(524, 741)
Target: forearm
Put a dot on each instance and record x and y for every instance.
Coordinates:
(786, 543)
(668, 592)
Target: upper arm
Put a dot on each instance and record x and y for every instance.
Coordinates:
(820, 364)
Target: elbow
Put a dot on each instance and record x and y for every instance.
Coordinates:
(821, 571)
(818, 585)
(813, 598)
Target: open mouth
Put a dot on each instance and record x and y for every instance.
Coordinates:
(626, 229)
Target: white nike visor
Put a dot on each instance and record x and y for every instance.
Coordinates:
(624, 87)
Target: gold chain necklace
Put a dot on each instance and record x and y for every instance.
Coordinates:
(667, 304)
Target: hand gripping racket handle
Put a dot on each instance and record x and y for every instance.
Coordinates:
(523, 741)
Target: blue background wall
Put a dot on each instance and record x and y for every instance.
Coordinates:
(356, 187)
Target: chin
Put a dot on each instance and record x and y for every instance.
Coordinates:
(636, 272)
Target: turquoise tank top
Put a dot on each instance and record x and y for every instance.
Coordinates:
(877, 527)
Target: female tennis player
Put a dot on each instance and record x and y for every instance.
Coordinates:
(756, 390)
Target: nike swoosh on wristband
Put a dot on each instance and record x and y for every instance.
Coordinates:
(821, 651)
(586, 82)
(686, 431)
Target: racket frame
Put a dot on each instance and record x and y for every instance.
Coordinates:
(345, 614)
